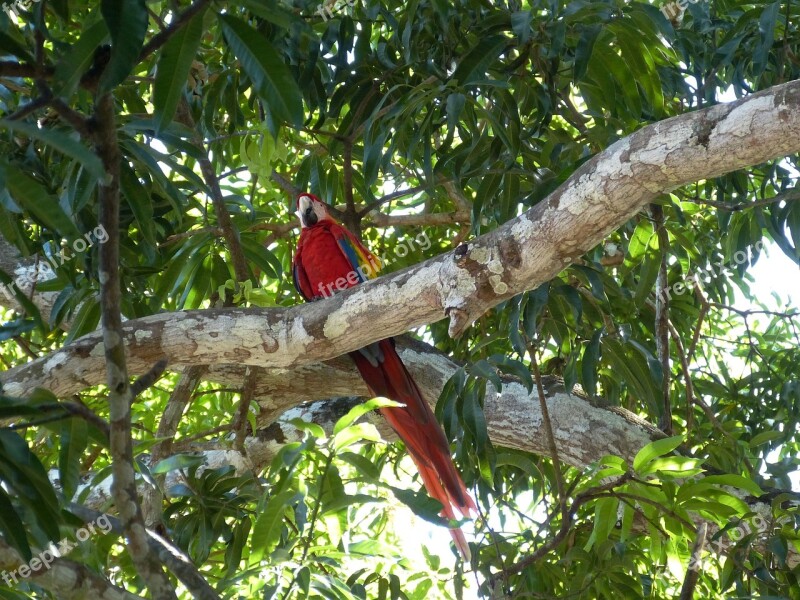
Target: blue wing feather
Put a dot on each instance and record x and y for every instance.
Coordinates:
(352, 257)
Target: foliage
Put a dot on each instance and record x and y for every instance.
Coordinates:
(499, 101)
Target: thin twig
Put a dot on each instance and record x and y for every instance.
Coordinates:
(704, 307)
(30, 107)
(548, 427)
(240, 421)
(148, 379)
(240, 270)
(580, 500)
(162, 37)
(693, 571)
(662, 318)
(687, 378)
(167, 427)
(392, 196)
(787, 196)
(178, 563)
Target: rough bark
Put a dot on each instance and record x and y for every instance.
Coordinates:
(523, 253)
(120, 391)
(463, 284)
(65, 578)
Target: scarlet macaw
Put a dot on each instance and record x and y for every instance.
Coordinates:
(330, 258)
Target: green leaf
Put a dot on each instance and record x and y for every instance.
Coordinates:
(138, 200)
(11, 526)
(261, 257)
(483, 369)
(521, 24)
(274, 13)
(611, 466)
(583, 51)
(364, 465)
(360, 432)
(85, 321)
(520, 461)
(455, 104)
(766, 436)
(127, 23)
(13, 47)
(654, 450)
(173, 70)
(474, 65)
(346, 500)
(178, 461)
(513, 367)
(14, 328)
(474, 419)
(233, 553)
(74, 436)
(672, 466)
(589, 363)
(648, 273)
(362, 409)
(267, 530)
(62, 142)
(271, 78)
(312, 429)
(766, 27)
(22, 472)
(605, 518)
(44, 207)
(736, 481)
(77, 60)
(632, 369)
(420, 504)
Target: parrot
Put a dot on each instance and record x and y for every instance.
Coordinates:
(330, 258)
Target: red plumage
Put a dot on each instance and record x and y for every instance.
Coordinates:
(330, 258)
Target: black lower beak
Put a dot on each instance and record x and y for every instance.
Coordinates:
(309, 217)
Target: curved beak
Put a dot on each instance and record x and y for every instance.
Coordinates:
(306, 212)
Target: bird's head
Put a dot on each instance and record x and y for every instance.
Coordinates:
(311, 210)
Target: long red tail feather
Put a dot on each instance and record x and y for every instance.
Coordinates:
(415, 423)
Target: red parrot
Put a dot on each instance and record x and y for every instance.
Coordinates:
(329, 258)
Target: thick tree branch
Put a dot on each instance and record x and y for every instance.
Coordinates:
(520, 255)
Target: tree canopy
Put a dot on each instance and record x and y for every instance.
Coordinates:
(567, 198)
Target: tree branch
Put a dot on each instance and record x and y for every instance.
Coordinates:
(519, 255)
(120, 393)
(693, 571)
(167, 427)
(163, 36)
(389, 197)
(662, 318)
(66, 579)
(178, 563)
